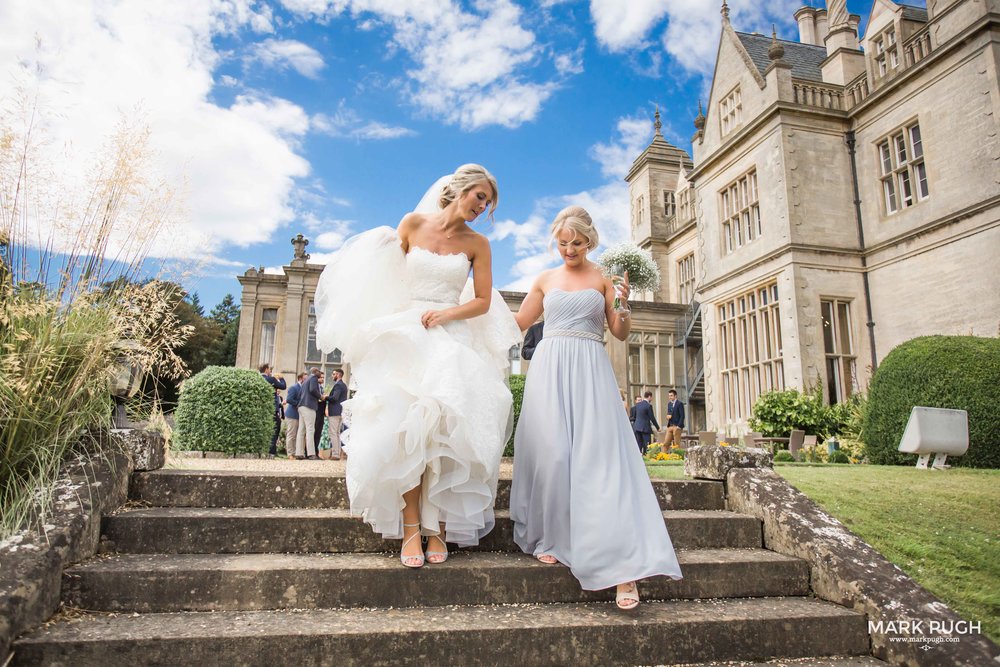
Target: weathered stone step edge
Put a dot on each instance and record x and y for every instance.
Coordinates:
(836, 661)
(578, 634)
(270, 530)
(188, 582)
(230, 488)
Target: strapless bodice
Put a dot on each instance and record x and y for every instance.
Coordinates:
(579, 310)
(434, 277)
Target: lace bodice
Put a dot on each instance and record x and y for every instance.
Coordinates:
(436, 278)
(579, 310)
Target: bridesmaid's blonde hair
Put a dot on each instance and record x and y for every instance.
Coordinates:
(464, 179)
(577, 220)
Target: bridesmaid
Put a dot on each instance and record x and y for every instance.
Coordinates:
(580, 493)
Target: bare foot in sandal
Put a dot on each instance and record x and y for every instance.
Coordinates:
(627, 597)
(547, 559)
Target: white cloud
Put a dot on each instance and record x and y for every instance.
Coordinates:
(570, 63)
(470, 67)
(616, 157)
(608, 205)
(691, 35)
(284, 53)
(237, 165)
(345, 122)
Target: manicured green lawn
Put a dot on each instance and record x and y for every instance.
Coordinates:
(941, 527)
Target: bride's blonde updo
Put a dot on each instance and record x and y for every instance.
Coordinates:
(464, 179)
(577, 220)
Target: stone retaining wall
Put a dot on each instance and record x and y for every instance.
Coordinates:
(848, 571)
(32, 562)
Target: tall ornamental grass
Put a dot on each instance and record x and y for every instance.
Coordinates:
(70, 256)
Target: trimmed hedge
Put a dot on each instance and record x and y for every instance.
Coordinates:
(225, 409)
(960, 372)
(516, 384)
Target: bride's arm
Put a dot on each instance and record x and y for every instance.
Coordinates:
(409, 222)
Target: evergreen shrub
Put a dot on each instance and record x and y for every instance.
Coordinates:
(225, 409)
(959, 372)
(516, 384)
(783, 455)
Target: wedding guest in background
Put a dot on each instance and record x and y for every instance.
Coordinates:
(645, 422)
(292, 399)
(305, 439)
(320, 414)
(278, 384)
(675, 420)
(335, 411)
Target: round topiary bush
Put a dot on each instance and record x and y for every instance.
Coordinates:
(783, 455)
(838, 456)
(516, 384)
(225, 409)
(960, 372)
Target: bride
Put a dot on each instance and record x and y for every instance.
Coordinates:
(428, 349)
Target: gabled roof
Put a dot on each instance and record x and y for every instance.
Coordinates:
(911, 13)
(805, 59)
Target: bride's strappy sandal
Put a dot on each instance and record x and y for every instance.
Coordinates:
(419, 560)
(628, 599)
(548, 559)
(437, 557)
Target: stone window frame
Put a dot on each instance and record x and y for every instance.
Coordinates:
(652, 350)
(839, 348)
(730, 111)
(902, 168)
(327, 362)
(885, 48)
(669, 204)
(685, 278)
(268, 335)
(750, 352)
(686, 204)
(739, 203)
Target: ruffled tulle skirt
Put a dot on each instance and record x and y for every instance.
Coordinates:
(430, 404)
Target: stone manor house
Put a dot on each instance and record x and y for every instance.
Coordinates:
(842, 196)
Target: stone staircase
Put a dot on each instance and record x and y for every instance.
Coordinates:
(269, 568)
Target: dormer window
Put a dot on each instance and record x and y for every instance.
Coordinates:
(731, 111)
(886, 53)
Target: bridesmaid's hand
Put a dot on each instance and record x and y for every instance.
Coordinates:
(434, 318)
(624, 289)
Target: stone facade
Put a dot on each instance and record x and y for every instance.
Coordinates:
(909, 114)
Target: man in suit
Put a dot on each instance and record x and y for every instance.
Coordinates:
(532, 337)
(292, 414)
(631, 411)
(320, 413)
(335, 412)
(312, 394)
(675, 420)
(645, 422)
(278, 383)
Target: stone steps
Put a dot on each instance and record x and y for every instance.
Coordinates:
(196, 582)
(524, 635)
(227, 530)
(220, 488)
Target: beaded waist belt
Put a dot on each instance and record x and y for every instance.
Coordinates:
(573, 333)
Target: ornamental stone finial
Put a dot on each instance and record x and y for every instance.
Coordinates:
(776, 50)
(656, 123)
(725, 12)
(699, 120)
(300, 242)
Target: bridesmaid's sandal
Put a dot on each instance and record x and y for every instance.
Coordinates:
(411, 561)
(627, 597)
(548, 559)
(436, 557)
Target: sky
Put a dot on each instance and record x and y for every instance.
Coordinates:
(330, 117)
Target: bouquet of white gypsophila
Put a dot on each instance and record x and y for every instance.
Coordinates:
(643, 273)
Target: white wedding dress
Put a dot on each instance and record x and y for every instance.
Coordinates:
(430, 403)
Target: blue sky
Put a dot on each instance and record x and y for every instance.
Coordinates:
(329, 117)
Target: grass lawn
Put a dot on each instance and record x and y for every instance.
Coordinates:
(941, 527)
